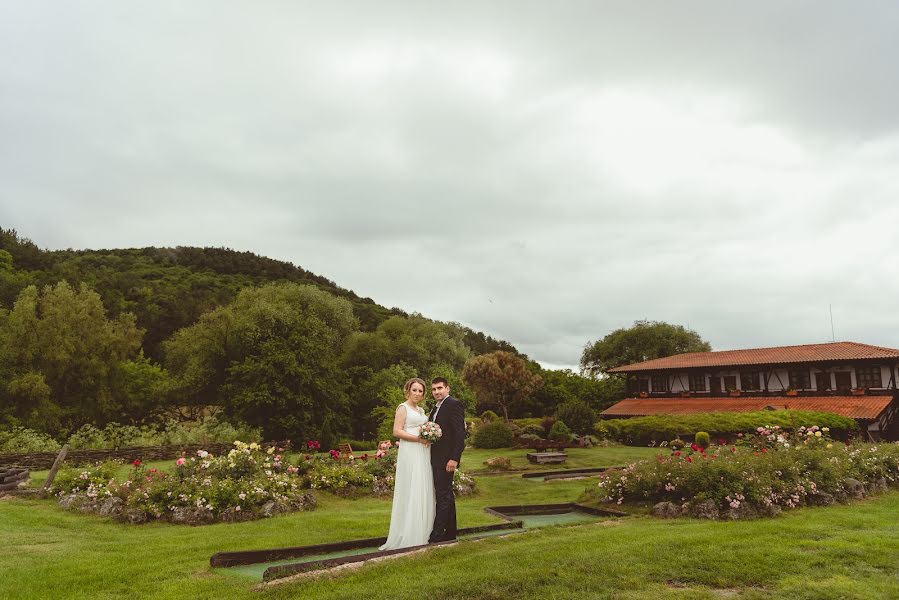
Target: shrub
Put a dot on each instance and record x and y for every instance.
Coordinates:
(547, 424)
(535, 430)
(768, 469)
(702, 439)
(495, 434)
(207, 430)
(361, 445)
(523, 423)
(644, 430)
(488, 416)
(578, 415)
(560, 432)
(19, 440)
(602, 430)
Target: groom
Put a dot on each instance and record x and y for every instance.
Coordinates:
(445, 456)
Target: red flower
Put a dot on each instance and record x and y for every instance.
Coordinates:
(689, 460)
(694, 447)
(136, 462)
(733, 448)
(756, 453)
(764, 449)
(677, 452)
(721, 442)
(153, 470)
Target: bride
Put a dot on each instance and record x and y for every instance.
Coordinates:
(413, 492)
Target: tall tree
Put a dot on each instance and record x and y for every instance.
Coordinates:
(414, 341)
(270, 358)
(646, 340)
(500, 380)
(62, 357)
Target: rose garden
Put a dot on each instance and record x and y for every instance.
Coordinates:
(732, 486)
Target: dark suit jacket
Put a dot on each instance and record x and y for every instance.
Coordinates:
(451, 419)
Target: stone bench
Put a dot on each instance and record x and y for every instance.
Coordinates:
(541, 458)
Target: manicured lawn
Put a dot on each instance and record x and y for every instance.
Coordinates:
(578, 458)
(849, 551)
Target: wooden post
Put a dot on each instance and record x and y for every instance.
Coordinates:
(56, 464)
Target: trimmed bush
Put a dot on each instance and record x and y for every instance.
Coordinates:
(578, 416)
(560, 432)
(645, 430)
(702, 439)
(495, 434)
(488, 416)
(535, 430)
(523, 423)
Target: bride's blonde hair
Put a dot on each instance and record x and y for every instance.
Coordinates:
(407, 387)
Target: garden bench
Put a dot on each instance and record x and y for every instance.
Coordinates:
(541, 458)
(345, 450)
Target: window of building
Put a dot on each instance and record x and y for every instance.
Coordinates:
(697, 382)
(750, 381)
(800, 380)
(660, 383)
(730, 382)
(868, 377)
(843, 380)
(822, 381)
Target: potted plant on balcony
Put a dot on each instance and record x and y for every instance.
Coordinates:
(792, 392)
(734, 393)
(644, 394)
(859, 391)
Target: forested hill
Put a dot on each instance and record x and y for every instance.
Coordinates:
(169, 288)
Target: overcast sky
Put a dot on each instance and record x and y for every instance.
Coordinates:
(543, 172)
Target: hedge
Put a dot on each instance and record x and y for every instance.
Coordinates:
(659, 428)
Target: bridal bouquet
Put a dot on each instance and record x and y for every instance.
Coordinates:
(430, 432)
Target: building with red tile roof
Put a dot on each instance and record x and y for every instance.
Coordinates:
(847, 378)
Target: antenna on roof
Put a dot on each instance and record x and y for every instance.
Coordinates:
(833, 337)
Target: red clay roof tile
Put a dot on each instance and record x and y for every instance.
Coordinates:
(809, 353)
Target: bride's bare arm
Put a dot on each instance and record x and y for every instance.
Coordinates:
(399, 420)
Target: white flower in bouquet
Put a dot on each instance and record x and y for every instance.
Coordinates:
(430, 432)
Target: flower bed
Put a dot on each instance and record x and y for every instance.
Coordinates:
(760, 475)
(248, 482)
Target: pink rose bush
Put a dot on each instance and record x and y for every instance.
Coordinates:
(765, 472)
(247, 482)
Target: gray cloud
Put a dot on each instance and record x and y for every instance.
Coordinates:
(544, 173)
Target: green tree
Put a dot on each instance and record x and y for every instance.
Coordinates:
(560, 386)
(61, 340)
(415, 341)
(500, 380)
(270, 358)
(646, 340)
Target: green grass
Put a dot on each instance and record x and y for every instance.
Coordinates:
(849, 551)
(578, 458)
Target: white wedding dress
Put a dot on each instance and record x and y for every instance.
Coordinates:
(414, 506)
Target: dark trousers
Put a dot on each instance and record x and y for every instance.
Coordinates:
(445, 518)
